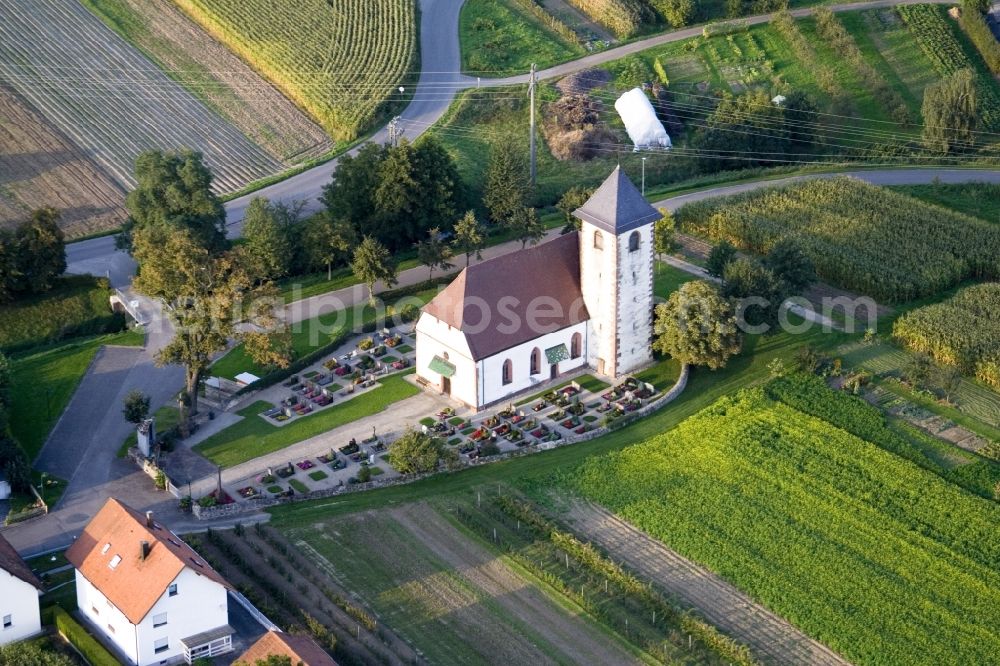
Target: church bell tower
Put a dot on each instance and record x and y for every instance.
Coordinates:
(616, 275)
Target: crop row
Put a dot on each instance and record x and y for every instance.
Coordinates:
(860, 237)
(111, 100)
(879, 559)
(938, 42)
(825, 77)
(963, 331)
(340, 60)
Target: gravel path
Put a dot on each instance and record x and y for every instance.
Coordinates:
(720, 603)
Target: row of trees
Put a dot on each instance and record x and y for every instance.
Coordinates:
(32, 255)
(700, 323)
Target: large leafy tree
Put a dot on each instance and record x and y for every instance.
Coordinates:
(572, 199)
(697, 326)
(326, 240)
(267, 239)
(525, 226)
(791, 265)
(718, 257)
(758, 293)
(41, 251)
(470, 237)
(677, 13)
(507, 185)
(665, 233)
(434, 253)
(372, 262)
(174, 191)
(211, 299)
(949, 111)
(416, 452)
(743, 131)
(350, 193)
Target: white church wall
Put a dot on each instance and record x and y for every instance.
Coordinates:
(492, 388)
(635, 305)
(436, 338)
(599, 286)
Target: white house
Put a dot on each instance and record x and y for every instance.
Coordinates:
(510, 323)
(148, 592)
(19, 592)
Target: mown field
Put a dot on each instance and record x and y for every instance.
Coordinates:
(879, 559)
(110, 100)
(215, 75)
(42, 167)
(340, 60)
(861, 237)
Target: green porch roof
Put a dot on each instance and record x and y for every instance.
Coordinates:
(556, 354)
(441, 366)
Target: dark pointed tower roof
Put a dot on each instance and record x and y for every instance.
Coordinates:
(617, 206)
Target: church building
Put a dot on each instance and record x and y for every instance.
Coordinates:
(508, 324)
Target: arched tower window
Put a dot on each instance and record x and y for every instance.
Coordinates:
(508, 372)
(598, 241)
(536, 361)
(633, 241)
(574, 346)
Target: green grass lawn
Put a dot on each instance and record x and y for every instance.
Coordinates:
(45, 381)
(298, 486)
(253, 436)
(76, 306)
(880, 559)
(498, 38)
(166, 417)
(667, 279)
(663, 375)
(981, 200)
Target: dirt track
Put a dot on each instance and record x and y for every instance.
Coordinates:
(769, 637)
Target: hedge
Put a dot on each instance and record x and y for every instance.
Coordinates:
(86, 645)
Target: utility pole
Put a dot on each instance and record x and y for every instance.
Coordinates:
(531, 101)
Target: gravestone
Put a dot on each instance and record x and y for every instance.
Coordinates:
(145, 437)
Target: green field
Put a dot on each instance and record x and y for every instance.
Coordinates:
(76, 306)
(981, 200)
(45, 381)
(254, 436)
(881, 560)
(340, 60)
(501, 36)
(860, 237)
(667, 279)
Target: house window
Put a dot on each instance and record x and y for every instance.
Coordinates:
(8, 621)
(160, 645)
(536, 361)
(111, 629)
(598, 240)
(574, 345)
(104, 550)
(508, 372)
(633, 241)
(115, 561)
(172, 590)
(159, 620)
(94, 610)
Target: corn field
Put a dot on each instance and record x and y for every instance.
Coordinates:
(340, 60)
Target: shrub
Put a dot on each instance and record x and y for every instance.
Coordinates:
(366, 344)
(85, 644)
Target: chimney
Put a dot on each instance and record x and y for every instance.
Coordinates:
(149, 519)
(143, 550)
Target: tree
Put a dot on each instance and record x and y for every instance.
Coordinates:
(664, 234)
(174, 190)
(791, 265)
(6, 382)
(507, 182)
(696, 326)
(415, 452)
(211, 298)
(719, 257)
(949, 380)
(13, 463)
(371, 263)
(800, 117)
(677, 12)
(525, 226)
(266, 241)
(433, 252)
(470, 237)
(41, 251)
(350, 193)
(741, 128)
(744, 279)
(572, 199)
(918, 369)
(326, 240)
(949, 111)
(135, 406)
(10, 275)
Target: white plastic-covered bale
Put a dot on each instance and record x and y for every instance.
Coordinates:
(644, 128)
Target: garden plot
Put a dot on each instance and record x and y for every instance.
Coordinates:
(112, 101)
(439, 588)
(40, 167)
(214, 74)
